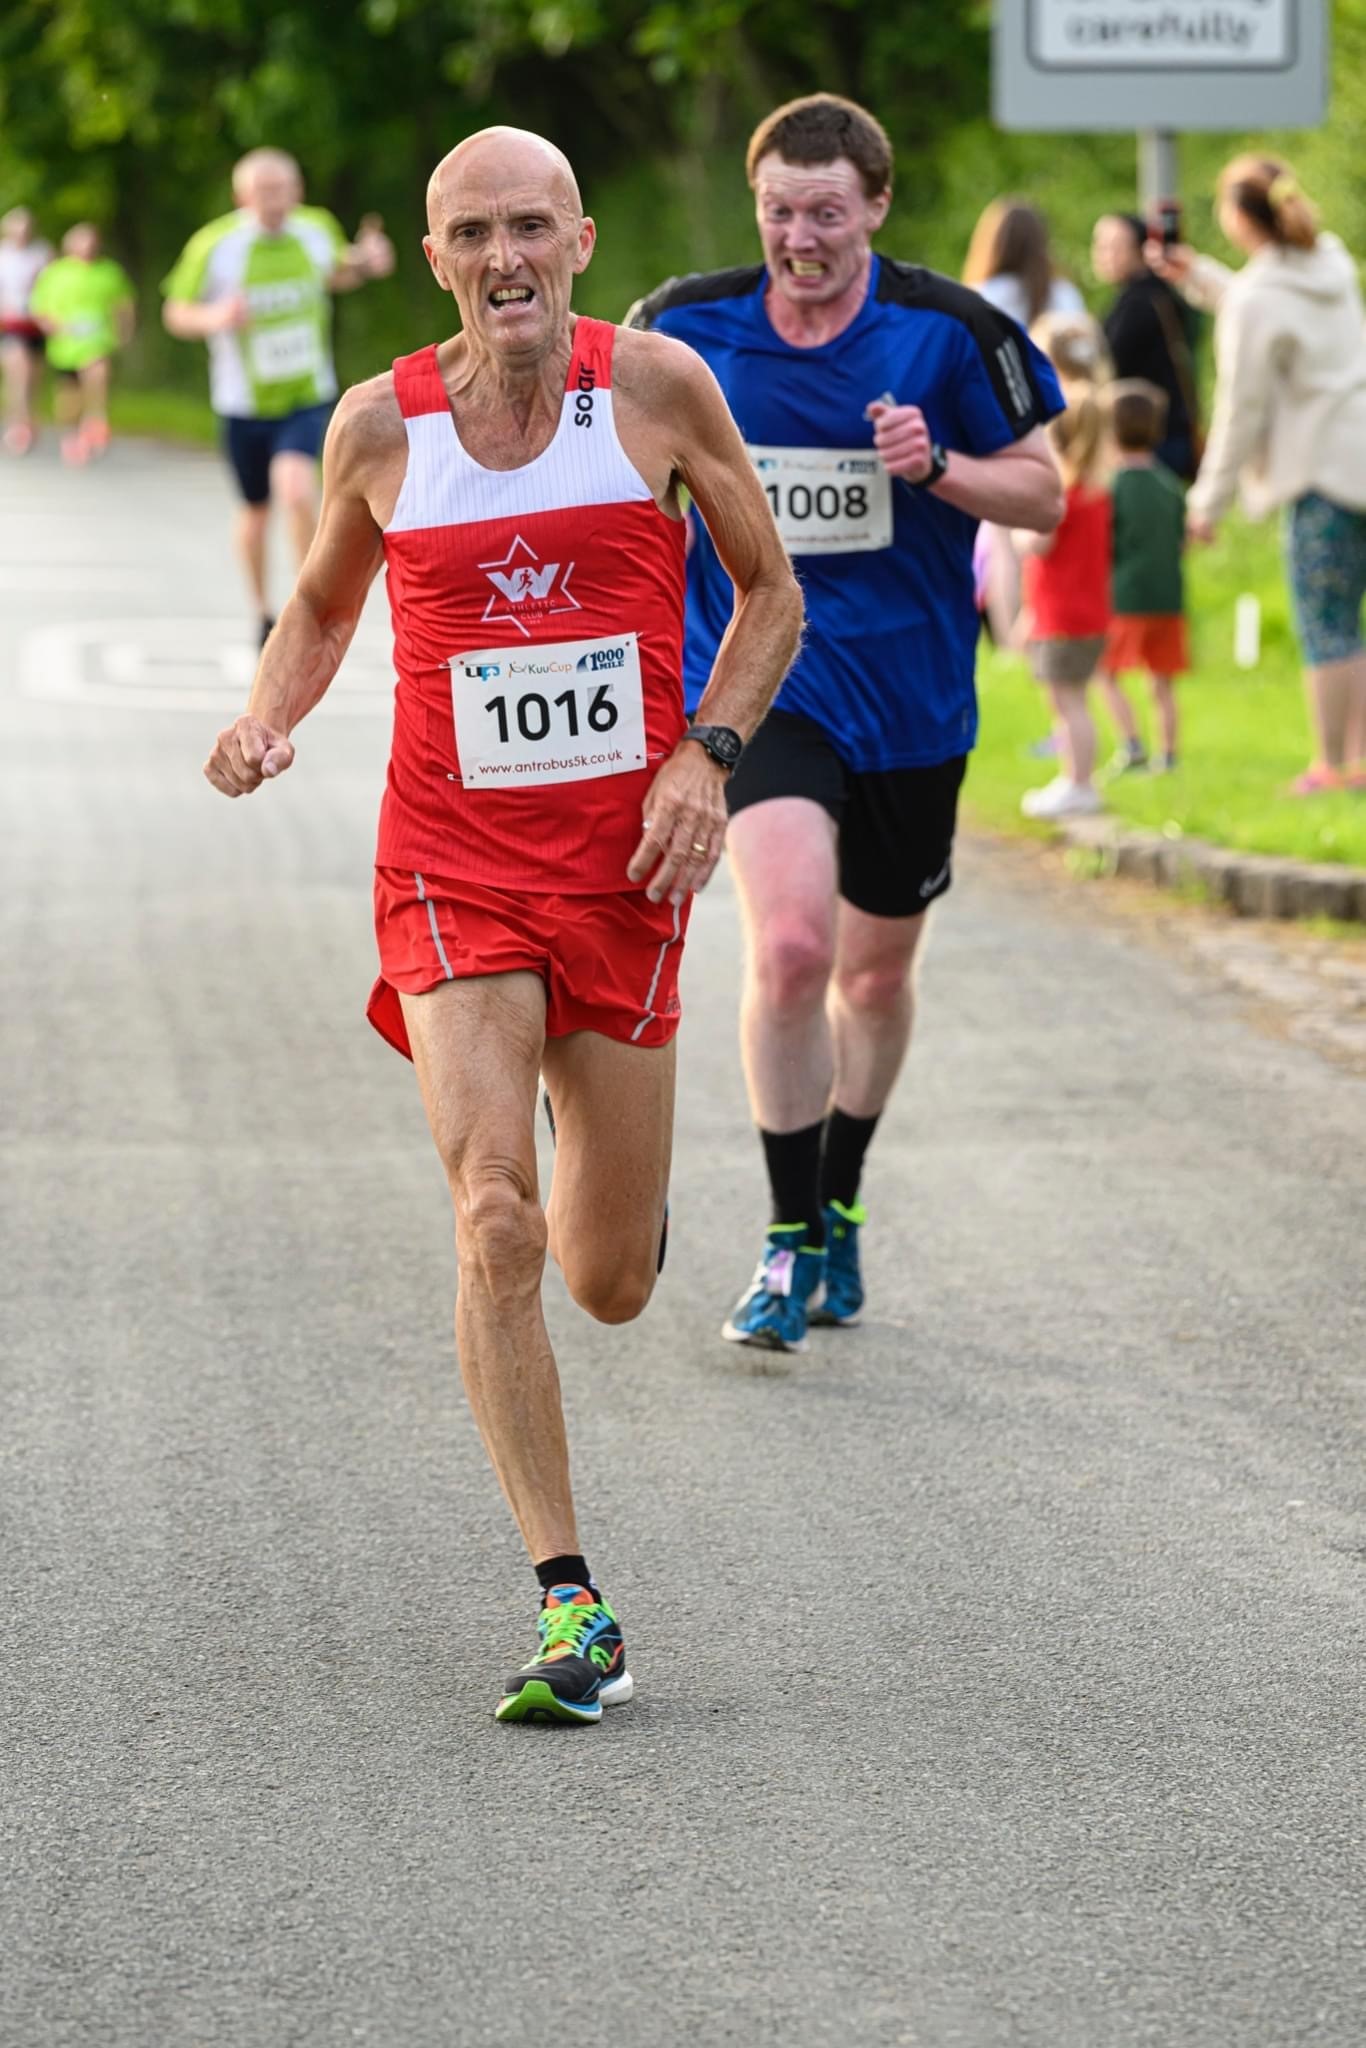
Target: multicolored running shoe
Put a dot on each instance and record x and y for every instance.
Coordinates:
(842, 1297)
(664, 1232)
(772, 1314)
(580, 1667)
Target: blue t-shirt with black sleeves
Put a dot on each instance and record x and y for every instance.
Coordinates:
(886, 667)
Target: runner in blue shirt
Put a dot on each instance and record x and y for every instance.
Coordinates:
(887, 411)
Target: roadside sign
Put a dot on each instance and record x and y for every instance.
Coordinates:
(1077, 65)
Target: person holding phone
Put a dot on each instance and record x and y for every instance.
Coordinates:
(1149, 329)
(1289, 430)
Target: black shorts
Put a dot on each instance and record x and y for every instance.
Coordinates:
(24, 335)
(895, 825)
(252, 445)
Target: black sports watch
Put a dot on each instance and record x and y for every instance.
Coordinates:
(724, 746)
(939, 463)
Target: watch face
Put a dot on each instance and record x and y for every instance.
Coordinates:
(726, 744)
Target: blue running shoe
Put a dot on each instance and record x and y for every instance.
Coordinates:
(773, 1312)
(842, 1298)
(579, 1668)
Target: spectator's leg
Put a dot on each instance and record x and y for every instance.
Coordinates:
(1075, 730)
(1336, 692)
(1164, 703)
(1356, 716)
(1121, 712)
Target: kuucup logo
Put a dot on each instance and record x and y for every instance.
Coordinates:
(525, 587)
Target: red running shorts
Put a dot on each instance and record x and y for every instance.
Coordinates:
(609, 963)
(1155, 641)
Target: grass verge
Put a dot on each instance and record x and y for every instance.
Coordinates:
(169, 415)
(1245, 733)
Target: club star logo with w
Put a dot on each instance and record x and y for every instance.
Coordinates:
(525, 587)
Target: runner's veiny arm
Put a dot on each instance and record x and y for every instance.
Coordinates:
(306, 649)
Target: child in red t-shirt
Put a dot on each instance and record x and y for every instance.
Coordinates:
(1065, 575)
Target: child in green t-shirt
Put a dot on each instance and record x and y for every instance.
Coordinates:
(1147, 598)
(84, 304)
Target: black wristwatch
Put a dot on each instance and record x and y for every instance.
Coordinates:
(724, 746)
(939, 463)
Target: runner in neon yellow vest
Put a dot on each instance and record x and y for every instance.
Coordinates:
(255, 286)
(84, 304)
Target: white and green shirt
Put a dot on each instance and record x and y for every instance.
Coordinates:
(281, 361)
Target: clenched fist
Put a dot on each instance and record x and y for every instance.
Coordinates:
(246, 754)
(902, 440)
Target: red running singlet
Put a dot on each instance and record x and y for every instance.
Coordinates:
(538, 642)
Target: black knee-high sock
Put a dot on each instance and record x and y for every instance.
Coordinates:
(794, 1174)
(847, 1139)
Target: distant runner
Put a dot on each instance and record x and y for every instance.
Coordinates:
(85, 304)
(886, 410)
(254, 284)
(23, 253)
(548, 813)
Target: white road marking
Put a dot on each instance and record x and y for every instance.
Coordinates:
(74, 580)
(174, 665)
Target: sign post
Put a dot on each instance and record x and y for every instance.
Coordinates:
(1071, 66)
(1157, 168)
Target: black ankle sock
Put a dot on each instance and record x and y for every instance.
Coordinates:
(564, 1571)
(794, 1174)
(847, 1138)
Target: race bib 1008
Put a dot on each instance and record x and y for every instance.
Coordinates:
(827, 501)
(292, 349)
(566, 712)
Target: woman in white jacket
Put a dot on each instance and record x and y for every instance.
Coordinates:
(1289, 430)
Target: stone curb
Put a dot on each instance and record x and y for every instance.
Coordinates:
(1253, 884)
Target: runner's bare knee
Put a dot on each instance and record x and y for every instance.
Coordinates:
(499, 1227)
(878, 990)
(792, 962)
(609, 1290)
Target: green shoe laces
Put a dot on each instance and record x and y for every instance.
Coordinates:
(565, 1627)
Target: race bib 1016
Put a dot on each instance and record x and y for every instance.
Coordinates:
(292, 349)
(827, 501)
(566, 712)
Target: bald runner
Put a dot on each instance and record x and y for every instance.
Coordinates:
(549, 813)
(255, 286)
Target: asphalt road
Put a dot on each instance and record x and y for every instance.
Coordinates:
(999, 1665)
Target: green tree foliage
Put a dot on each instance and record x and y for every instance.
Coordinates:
(133, 111)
